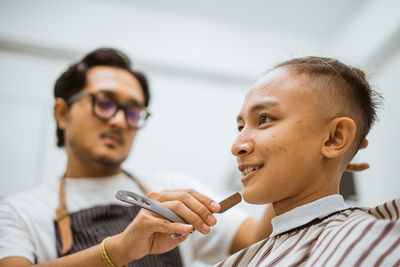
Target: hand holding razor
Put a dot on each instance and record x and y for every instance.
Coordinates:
(153, 206)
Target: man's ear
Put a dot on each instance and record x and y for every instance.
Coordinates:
(339, 138)
(61, 112)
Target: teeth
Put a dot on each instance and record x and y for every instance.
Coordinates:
(249, 169)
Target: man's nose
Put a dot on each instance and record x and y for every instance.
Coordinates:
(119, 119)
(243, 145)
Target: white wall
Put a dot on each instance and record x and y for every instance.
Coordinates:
(26, 119)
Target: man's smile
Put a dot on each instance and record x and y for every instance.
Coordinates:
(248, 169)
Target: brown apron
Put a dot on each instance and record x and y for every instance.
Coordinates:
(86, 228)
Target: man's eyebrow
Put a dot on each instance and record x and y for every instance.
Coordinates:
(113, 95)
(263, 105)
(260, 105)
(107, 92)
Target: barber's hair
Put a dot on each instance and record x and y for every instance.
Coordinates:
(74, 78)
(345, 80)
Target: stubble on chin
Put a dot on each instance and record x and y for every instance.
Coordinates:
(86, 155)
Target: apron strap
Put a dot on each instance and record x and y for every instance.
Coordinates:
(62, 214)
(63, 220)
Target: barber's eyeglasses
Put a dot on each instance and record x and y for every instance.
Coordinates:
(105, 107)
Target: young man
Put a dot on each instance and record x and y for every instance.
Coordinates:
(100, 104)
(299, 126)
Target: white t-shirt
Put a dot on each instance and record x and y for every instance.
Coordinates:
(27, 219)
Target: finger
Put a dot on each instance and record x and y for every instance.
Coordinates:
(151, 222)
(206, 201)
(184, 205)
(209, 203)
(163, 240)
(188, 215)
(364, 144)
(164, 226)
(357, 167)
(193, 200)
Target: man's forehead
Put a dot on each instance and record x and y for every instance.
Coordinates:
(119, 81)
(282, 87)
(280, 82)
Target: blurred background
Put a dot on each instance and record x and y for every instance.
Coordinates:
(201, 58)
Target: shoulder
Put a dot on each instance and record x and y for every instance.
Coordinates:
(359, 218)
(377, 217)
(26, 223)
(352, 225)
(354, 236)
(31, 208)
(42, 198)
(388, 210)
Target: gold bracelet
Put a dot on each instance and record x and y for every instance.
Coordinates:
(106, 259)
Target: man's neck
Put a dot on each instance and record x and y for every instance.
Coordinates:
(318, 188)
(88, 170)
(288, 204)
(323, 181)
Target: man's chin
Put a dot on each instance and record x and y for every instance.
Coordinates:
(99, 155)
(252, 196)
(110, 153)
(108, 161)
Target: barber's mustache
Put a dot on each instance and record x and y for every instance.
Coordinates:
(114, 133)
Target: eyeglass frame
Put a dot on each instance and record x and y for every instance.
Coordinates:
(79, 96)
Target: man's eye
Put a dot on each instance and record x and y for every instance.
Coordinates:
(264, 118)
(133, 114)
(105, 104)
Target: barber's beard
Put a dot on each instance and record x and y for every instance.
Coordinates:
(87, 157)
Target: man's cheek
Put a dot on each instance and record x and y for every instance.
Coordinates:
(129, 139)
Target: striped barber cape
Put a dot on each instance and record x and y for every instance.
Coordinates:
(322, 233)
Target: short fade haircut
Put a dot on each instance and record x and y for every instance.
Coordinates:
(74, 78)
(345, 80)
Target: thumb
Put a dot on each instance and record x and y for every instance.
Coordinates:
(166, 227)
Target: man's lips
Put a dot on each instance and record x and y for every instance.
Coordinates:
(246, 168)
(115, 138)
